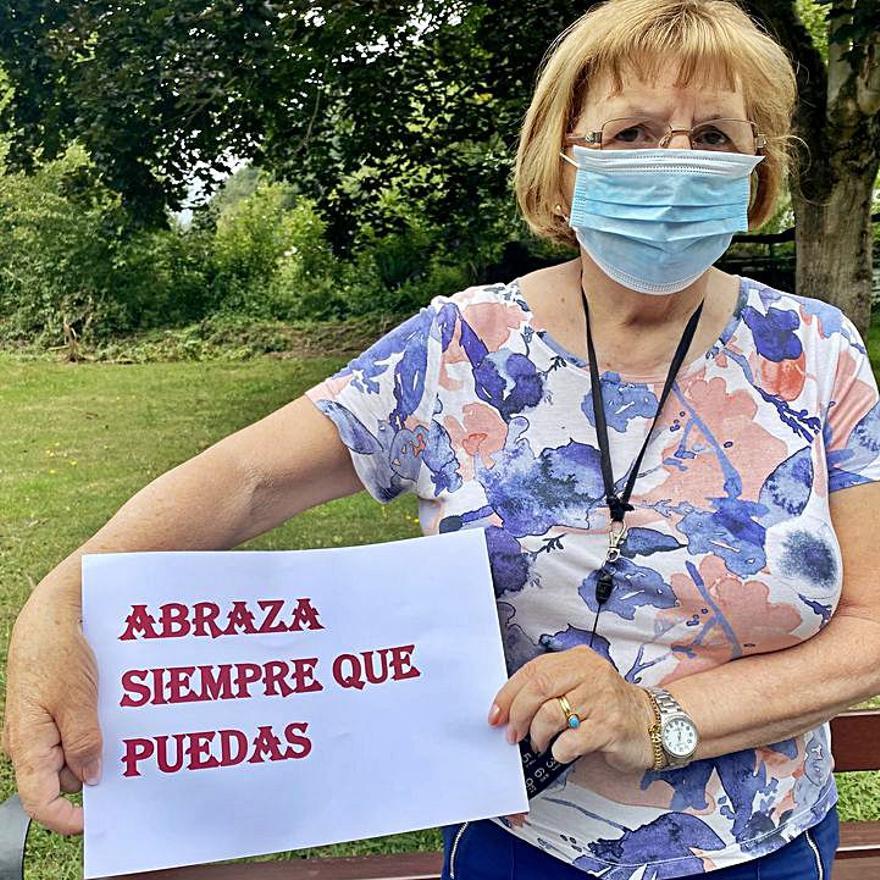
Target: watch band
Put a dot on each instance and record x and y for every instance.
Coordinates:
(660, 758)
(665, 705)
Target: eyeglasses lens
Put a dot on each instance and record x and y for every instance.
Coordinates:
(643, 133)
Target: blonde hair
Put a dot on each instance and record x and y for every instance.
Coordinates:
(714, 40)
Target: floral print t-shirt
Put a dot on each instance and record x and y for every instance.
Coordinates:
(473, 406)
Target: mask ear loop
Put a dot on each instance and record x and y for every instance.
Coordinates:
(558, 208)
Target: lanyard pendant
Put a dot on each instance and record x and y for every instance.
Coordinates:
(616, 537)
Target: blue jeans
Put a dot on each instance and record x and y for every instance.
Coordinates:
(485, 851)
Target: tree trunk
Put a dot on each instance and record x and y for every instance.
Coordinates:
(834, 242)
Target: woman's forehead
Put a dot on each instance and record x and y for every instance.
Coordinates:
(663, 95)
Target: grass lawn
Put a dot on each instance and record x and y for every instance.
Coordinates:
(79, 440)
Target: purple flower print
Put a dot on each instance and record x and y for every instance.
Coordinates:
(743, 777)
(729, 531)
(409, 339)
(439, 458)
(508, 382)
(824, 611)
(664, 847)
(830, 317)
(786, 491)
(634, 586)
(518, 647)
(808, 557)
(861, 451)
(643, 542)
(530, 494)
(775, 332)
(623, 401)
(509, 565)
(572, 637)
(352, 431)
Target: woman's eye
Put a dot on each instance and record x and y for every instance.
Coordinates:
(630, 135)
(713, 137)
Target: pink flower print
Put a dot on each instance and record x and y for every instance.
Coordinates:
(784, 378)
(726, 617)
(492, 322)
(483, 433)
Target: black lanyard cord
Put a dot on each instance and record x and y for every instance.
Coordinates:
(541, 770)
(619, 504)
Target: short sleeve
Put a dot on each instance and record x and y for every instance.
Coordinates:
(382, 403)
(852, 421)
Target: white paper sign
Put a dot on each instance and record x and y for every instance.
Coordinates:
(255, 702)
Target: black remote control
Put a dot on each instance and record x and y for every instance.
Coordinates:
(540, 770)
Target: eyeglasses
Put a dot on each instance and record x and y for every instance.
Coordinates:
(645, 133)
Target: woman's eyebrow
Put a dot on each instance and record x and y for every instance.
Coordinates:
(639, 110)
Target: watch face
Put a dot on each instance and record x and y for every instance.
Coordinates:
(679, 736)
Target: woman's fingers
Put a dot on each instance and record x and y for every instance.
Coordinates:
(546, 723)
(69, 782)
(51, 732)
(39, 759)
(541, 680)
(77, 721)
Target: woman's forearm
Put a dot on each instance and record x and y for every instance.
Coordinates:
(767, 698)
(205, 503)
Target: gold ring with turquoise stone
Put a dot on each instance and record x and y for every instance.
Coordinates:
(572, 719)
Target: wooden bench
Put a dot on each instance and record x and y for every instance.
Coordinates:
(856, 746)
(855, 741)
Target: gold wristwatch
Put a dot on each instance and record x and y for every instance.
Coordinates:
(674, 736)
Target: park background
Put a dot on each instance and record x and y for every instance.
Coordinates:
(206, 206)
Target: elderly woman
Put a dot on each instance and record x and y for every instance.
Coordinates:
(675, 470)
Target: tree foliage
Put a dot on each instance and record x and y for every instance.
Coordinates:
(364, 107)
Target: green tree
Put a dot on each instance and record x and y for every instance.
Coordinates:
(836, 46)
(350, 102)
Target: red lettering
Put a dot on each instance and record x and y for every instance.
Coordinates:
(269, 625)
(247, 674)
(401, 663)
(374, 677)
(179, 684)
(241, 620)
(139, 622)
(130, 683)
(136, 750)
(205, 619)
(162, 750)
(275, 672)
(175, 622)
(226, 737)
(198, 750)
(217, 682)
(351, 679)
(200, 757)
(303, 743)
(158, 687)
(266, 742)
(304, 616)
(304, 675)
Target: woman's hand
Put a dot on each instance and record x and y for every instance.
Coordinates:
(51, 727)
(615, 715)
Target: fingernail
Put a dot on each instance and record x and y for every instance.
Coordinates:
(511, 735)
(494, 713)
(92, 772)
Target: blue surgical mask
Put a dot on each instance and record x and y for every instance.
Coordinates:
(655, 220)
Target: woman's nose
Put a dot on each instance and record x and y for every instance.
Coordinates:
(679, 140)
